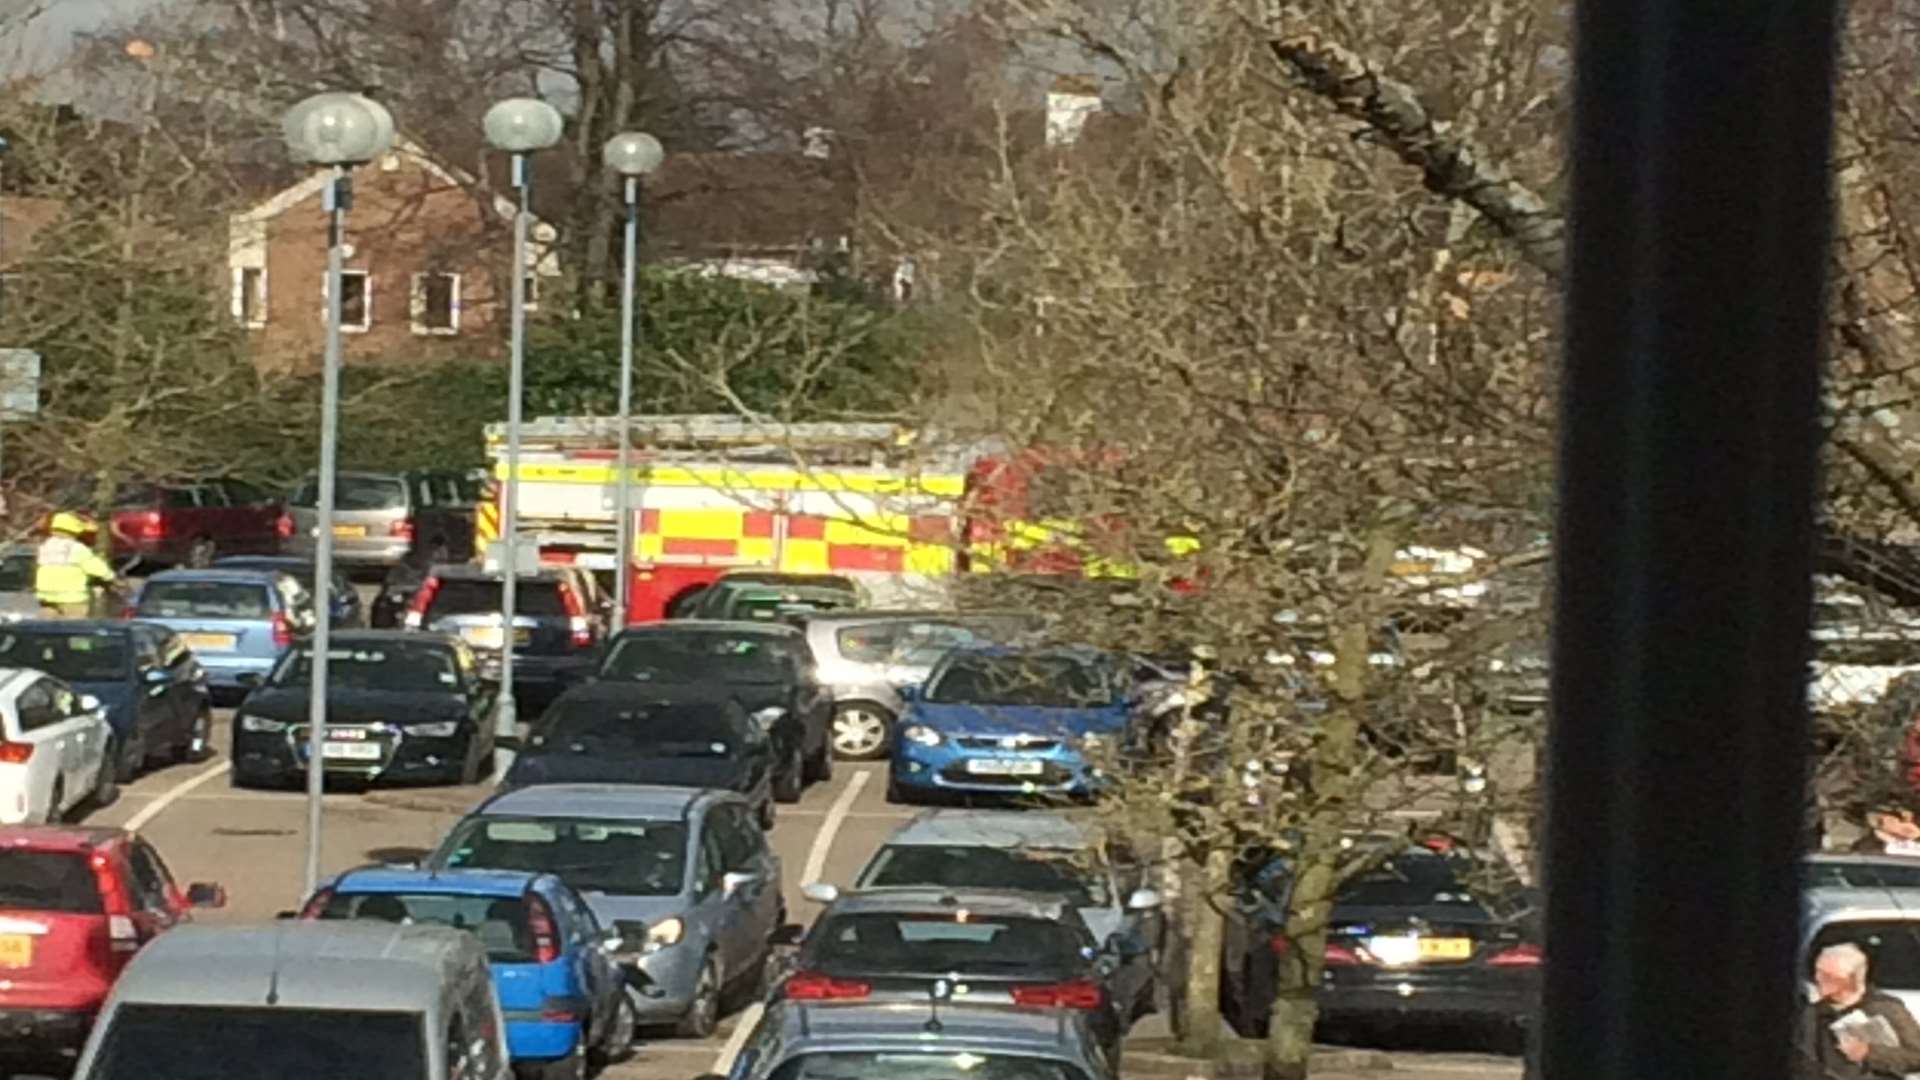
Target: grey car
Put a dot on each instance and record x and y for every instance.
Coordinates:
(689, 863)
(1032, 851)
(379, 517)
(866, 656)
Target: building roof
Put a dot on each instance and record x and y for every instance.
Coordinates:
(618, 802)
(338, 965)
(992, 828)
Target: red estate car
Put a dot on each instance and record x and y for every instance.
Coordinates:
(75, 905)
(193, 524)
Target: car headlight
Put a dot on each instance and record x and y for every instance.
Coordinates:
(666, 932)
(921, 734)
(769, 716)
(438, 729)
(260, 725)
(1092, 742)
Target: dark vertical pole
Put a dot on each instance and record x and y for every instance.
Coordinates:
(1684, 546)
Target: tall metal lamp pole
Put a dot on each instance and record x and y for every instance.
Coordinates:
(337, 131)
(633, 155)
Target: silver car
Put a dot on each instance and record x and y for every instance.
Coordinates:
(1869, 901)
(691, 864)
(865, 657)
(849, 1040)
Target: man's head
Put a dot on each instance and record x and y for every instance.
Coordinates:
(1840, 974)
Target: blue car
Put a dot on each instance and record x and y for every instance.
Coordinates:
(237, 622)
(1009, 721)
(563, 993)
(348, 609)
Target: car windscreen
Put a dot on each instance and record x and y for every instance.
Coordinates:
(304, 574)
(767, 607)
(201, 1042)
(470, 596)
(924, 645)
(683, 732)
(869, 643)
(357, 493)
(205, 600)
(977, 867)
(1892, 947)
(1411, 880)
(1887, 874)
(699, 657)
(500, 922)
(928, 1064)
(960, 943)
(48, 881)
(623, 858)
(75, 657)
(390, 667)
(1040, 681)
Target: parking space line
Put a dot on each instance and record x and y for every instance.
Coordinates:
(823, 840)
(749, 1019)
(153, 809)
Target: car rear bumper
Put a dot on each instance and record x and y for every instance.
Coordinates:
(1387, 997)
(42, 1034)
(348, 551)
(536, 670)
(225, 669)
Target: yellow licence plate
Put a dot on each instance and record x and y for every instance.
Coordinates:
(209, 642)
(16, 950)
(1446, 948)
(491, 637)
(354, 531)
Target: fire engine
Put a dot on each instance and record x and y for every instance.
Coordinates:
(711, 494)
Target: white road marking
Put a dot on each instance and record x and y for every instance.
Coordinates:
(823, 840)
(749, 1019)
(153, 809)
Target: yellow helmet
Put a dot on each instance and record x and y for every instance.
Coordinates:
(70, 524)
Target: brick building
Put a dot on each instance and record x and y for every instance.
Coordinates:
(426, 257)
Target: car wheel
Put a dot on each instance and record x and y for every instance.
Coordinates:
(54, 799)
(861, 732)
(703, 1013)
(199, 740)
(477, 765)
(201, 553)
(126, 760)
(617, 1043)
(788, 781)
(820, 764)
(898, 793)
(106, 787)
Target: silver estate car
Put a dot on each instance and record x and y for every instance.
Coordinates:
(857, 1040)
(691, 864)
(299, 999)
(864, 657)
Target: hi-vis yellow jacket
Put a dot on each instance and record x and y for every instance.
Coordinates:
(66, 571)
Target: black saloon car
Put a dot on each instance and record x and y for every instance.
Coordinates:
(769, 669)
(612, 734)
(400, 706)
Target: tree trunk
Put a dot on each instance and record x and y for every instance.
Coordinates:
(1206, 933)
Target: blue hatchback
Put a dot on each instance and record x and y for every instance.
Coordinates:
(237, 622)
(562, 992)
(1009, 721)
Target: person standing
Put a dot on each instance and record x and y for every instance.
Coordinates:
(67, 571)
(1851, 1030)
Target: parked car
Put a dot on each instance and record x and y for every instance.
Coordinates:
(564, 997)
(738, 601)
(17, 565)
(769, 669)
(344, 601)
(400, 706)
(710, 600)
(990, 946)
(379, 517)
(1423, 935)
(556, 632)
(55, 749)
(237, 622)
(848, 1038)
(153, 689)
(1869, 901)
(192, 524)
(237, 1003)
(865, 657)
(75, 905)
(628, 735)
(1035, 852)
(690, 864)
(998, 720)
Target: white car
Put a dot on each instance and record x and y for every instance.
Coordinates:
(53, 748)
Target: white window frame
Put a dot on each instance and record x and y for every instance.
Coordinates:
(366, 290)
(259, 297)
(419, 305)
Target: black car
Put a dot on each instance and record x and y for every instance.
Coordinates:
(612, 734)
(154, 691)
(1425, 934)
(343, 599)
(723, 598)
(991, 946)
(768, 668)
(400, 706)
(556, 628)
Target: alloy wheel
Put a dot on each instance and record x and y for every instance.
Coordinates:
(860, 732)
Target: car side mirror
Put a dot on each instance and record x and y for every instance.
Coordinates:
(733, 882)
(820, 892)
(205, 894)
(1143, 900)
(88, 703)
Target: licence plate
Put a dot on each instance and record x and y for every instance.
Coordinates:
(1004, 767)
(351, 751)
(210, 642)
(16, 950)
(1446, 948)
(491, 637)
(352, 531)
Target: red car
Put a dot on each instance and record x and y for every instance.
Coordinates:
(75, 905)
(193, 524)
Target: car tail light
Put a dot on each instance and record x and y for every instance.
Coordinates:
(123, 936)
(282, 631)
(576, 617)
(557, 1010)
(1079, 994)
(316, 904)
(1335, 955)
(1517, 956)
(15, 753)
(422, 600)
(546, 939)
(401, 530)
(813, 986)
(283, 526)
(146, 524)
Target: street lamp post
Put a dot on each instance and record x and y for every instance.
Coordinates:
(336, 131)
(518, 126)
(633, 155)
